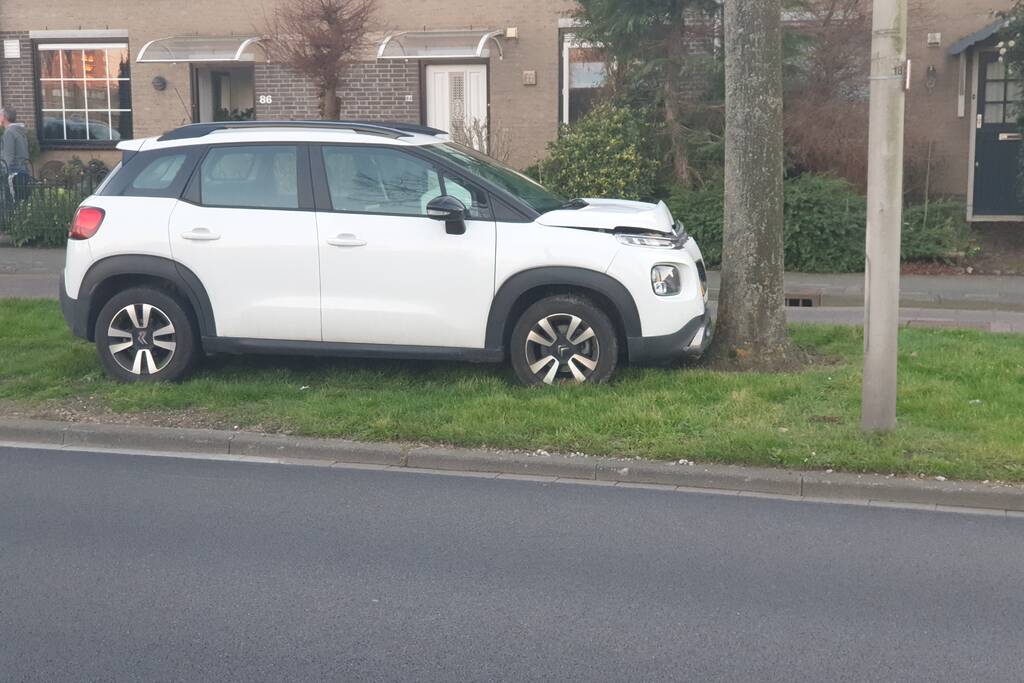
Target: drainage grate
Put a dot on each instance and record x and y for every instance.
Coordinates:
(802, 300)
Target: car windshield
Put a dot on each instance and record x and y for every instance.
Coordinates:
(536, 195)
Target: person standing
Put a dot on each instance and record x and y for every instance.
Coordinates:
(14, 152)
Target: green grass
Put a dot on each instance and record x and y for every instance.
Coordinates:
(961, 405)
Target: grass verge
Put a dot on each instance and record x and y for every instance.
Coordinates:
(961, 406)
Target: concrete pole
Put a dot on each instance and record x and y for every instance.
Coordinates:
(889, 76)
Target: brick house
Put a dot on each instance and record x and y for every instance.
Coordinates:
(83, 79)
(166, 64)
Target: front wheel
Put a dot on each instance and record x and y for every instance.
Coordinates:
(145, 335)
(564, 339)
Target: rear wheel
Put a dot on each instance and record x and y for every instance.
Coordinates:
(564, 339)
(145, 335)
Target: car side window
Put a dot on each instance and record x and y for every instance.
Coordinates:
(251, 176)
(473, 197)
(363, 179)
(159, 173)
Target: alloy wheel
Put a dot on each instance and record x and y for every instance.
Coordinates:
(141, 339)
(562, 347)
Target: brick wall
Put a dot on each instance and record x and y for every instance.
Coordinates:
(381, 91)
(16, 79)
(374, 91)
(294, 97)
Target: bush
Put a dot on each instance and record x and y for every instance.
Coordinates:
(608, 153)
(940, 233)
(825, 226)
(44, 218)
(702, 212)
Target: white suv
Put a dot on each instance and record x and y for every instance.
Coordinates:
(369, 240)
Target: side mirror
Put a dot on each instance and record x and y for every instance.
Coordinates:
(450, 210)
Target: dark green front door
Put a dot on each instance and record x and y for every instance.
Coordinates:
(997, 156)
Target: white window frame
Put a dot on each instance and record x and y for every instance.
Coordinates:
(570, 42)
(80, 47)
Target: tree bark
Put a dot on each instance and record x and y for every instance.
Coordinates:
(330, 107)
(751, 332)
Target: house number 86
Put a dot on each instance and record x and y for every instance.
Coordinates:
(266, 99)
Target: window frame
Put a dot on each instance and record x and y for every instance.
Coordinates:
(193, 189)
(1003, 83)
(569, 40)
(37, 85)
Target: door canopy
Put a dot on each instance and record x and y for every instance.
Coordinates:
(199, 49)
(440, 45)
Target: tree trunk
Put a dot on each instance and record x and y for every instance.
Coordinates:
(751, 332)
(330, 106)
(673, 100)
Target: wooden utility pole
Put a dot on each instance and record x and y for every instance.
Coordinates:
(890, 75)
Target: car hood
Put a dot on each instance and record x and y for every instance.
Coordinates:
(609, 214)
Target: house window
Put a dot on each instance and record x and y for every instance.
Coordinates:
(84, 93)
(584, 73)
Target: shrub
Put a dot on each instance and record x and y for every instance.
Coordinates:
(608, 153)
(825, 226)
(702, 212)
(43, 219)
(938, 233)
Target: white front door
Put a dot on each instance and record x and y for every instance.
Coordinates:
(457, 102)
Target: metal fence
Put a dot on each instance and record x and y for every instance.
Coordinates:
(39, 211)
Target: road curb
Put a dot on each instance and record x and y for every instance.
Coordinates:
(255, 447)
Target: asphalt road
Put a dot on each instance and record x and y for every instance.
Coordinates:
(120, 567)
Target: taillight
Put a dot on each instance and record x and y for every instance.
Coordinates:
(87, 221)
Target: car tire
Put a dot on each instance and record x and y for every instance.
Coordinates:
(146, 335)
(564, 339)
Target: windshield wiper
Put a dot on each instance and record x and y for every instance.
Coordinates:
(575, 204)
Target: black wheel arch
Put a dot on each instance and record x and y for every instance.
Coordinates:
(524, 288)
(112, 274)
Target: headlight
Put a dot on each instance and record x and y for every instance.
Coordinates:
(646, 241)
(665, 280)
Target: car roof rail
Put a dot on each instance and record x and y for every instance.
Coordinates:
(398, 125)
(381, 128)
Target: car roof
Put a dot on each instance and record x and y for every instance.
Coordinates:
(354, 132)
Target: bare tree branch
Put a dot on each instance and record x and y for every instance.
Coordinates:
(320, 39)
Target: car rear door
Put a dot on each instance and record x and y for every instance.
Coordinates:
(246, 227)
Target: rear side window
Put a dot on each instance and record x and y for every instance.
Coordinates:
(250, 177)
(159, 173)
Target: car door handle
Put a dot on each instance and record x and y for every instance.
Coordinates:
(346, 240)
(200, 235)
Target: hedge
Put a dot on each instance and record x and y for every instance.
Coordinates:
(824, 226)
(44, 218)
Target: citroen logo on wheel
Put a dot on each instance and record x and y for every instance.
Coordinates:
(141, 336)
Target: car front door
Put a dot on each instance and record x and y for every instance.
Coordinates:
(390, 275)
(247, 229)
